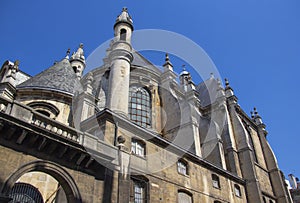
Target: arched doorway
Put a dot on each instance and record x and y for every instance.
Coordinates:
(61, 175)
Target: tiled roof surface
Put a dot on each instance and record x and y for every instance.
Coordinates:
(60, 77)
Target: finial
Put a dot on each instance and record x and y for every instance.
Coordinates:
(124, 17)
(226, 82)
(121, 139)
(255, 111)
(16, 66)
(229, 90)
(168, 65)
(183, 67)
(256, 115)
(17, 62)
(81, 45)
(212, 75)
(257, 118)
(68, 53)
(167, 57)
(252, 114)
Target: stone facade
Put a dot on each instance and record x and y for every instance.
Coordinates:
(128, 132)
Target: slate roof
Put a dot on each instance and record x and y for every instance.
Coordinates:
(59, 77)
(140, 61)
(207, 91)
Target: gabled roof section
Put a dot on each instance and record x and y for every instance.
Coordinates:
(207, 91)
(59, 77)
(140, 61)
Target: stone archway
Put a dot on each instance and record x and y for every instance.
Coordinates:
(56, 171)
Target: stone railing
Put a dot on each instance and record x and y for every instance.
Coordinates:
(54, 126)
(27, 114)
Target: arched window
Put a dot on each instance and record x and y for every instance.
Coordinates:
(75, 69)
(184, 197)
(237, 190)
(123, 34)
(45, 108)
(217, 201)
(215, 181)
(45, 113)
(140, 106)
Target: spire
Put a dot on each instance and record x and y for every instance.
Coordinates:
(124, 17)
(168, 65)
(67, 54)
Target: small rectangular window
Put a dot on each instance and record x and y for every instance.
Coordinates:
(138, 147)
(215, 181)
(237, 190)
(182, 167)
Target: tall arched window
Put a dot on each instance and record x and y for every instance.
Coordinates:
(123, 34)
(140, 106)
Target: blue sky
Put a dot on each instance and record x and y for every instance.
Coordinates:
(254, 43)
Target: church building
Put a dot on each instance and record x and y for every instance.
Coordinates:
(129, 132)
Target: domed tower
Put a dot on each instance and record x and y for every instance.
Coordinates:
(120, 60)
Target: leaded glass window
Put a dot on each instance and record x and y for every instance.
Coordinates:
(138, 190)
(140, 106)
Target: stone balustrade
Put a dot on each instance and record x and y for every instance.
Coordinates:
(29, 115)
